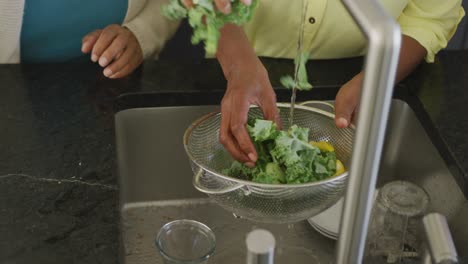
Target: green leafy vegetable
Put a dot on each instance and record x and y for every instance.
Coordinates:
(174, 10)
(284, 157)
(262, 130)
(207, 21)
(302, 80)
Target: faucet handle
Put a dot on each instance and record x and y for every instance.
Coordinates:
(439, 239)
(260, 247)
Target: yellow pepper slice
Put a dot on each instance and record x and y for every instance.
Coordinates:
(340, 169)
(323, 146)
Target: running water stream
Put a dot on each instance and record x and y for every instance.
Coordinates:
(305, 4)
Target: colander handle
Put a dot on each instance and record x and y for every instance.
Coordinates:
(198, 184)
(320, 103)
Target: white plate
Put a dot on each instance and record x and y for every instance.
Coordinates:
(329, 220)
(324, 233)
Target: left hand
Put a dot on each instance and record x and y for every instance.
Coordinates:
(115, 48)
(347, 99)
(347, 102)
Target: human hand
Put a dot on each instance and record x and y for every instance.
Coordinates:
(347, 99)
(115, 48)
(347, 102)
(224, 6)
(248, 84)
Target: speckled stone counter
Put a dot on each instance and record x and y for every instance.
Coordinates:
(58, 184)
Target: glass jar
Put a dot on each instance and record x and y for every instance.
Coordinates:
(185, 242)
(395, 231)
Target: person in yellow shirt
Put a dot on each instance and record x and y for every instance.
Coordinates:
(329, 33)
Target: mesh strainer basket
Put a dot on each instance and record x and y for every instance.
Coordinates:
(271, 203)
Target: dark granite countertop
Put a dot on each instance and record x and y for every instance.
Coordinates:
(58, 184)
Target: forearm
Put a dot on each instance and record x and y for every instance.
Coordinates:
(234, 49)
(411, 55)
(347, 99)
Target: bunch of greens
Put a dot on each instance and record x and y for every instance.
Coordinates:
(207, 21)
(302, 81)
(284, 157)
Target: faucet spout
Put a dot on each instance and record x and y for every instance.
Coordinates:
(384, 38)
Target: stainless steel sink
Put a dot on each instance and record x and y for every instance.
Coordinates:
(156, 187)
(297, 242)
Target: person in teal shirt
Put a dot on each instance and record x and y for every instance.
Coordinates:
(117, 34)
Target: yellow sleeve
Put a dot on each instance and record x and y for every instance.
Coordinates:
(431, 22)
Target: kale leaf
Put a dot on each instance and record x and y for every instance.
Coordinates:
(302, 80)
(284, 157)
(207, 21)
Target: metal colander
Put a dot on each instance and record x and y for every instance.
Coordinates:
(274, 203)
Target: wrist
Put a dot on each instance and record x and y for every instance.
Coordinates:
(234, 50)
(244, 68)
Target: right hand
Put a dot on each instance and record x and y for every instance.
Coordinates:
(224, 6)
(347, 102)
(115, 48)
(247, 84)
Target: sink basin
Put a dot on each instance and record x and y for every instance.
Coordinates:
(156, 187)
(141, 223)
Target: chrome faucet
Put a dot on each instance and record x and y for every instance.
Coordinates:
(384, 38)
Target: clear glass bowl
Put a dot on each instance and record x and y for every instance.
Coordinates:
(185, 242)
(395, 227)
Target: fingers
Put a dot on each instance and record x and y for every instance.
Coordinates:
(127, 69)
(125, 64)
(119, 64)
(226, 138)
(89, 40)
(116, 47)
(224, 6)
(346, 102)
(187, 3)
(239, 130)
(270, 110)
(354, 116)
(105, 39)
